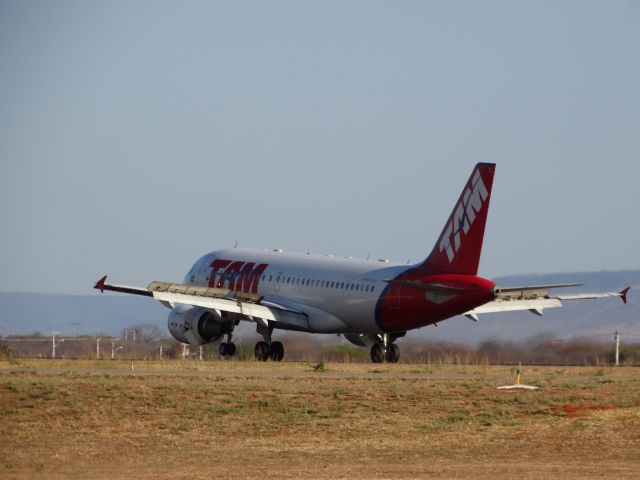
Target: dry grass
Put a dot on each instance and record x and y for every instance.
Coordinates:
(92, 419)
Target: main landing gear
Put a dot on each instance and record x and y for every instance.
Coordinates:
(384, 350)
(266, 349)
(228, 348)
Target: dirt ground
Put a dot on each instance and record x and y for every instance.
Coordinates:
(102, 419)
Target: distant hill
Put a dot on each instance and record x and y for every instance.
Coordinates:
(22, 313)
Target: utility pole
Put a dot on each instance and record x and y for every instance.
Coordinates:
(54, 343)
(113, 349)
(616, 337)
(98, 348)
(76, 328)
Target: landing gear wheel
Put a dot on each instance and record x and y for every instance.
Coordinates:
(377, 356)
(222, 348)
(393, 353)
(277, 351)
(231, 349)
(262, 351)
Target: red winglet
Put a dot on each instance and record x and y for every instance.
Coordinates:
(623, 294)
(100, 284)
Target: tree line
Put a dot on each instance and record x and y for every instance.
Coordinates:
(148, 342)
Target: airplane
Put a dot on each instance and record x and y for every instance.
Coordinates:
(370, 303)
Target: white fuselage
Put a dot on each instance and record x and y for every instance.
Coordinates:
(345, 288)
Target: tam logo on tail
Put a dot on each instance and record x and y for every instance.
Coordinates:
(464, 215)
(460, 243)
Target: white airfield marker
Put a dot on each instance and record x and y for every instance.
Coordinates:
(518, 385)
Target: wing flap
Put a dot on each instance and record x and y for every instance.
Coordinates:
(247, 304)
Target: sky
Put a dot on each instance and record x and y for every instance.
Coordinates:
(137, 135)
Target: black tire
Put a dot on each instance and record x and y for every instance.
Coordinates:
(262, 351)
(376, 354)
(222, 349)
(231, 349)
(393, 353)
(277, 351)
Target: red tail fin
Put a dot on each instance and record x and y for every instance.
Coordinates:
(460, 243)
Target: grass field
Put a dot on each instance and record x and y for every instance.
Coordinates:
(101, 419)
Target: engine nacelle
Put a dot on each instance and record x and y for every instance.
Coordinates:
(196, 325)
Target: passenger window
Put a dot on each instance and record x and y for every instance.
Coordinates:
(270, 277)
(331, 284)
(288, 279)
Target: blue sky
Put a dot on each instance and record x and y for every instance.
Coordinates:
(135, 136)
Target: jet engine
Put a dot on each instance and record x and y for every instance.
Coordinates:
(196, 325)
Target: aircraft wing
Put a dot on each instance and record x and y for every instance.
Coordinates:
(223, 299)
(535, 299)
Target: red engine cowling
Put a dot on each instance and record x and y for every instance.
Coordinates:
(196, 325)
